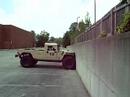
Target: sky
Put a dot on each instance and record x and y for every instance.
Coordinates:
(53, 16)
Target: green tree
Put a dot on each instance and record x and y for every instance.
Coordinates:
(66, 39)
(52, 39)
(42, 38)
(59, 40)
(123, 1)
(56, 40)
(87, 20)
(34, 37)
(82, 26)
(32, 31)
(75, 29)
(34, 34)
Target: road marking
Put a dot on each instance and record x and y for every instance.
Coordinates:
(27, 85)
(23, 95)
(18, 85)
(42, 74)
(52, 86)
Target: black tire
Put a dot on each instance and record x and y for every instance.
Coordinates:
(27, 61)
(69, 62)
(35, 61)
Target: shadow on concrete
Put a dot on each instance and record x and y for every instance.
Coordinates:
(49, 66)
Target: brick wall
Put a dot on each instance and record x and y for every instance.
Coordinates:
(14, 37)
(0, 38)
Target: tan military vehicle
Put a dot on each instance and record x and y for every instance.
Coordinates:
(51, 53)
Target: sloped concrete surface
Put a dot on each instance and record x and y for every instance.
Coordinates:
(44, 80)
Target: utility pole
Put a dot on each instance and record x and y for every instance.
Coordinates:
(78, 24)
(77, 19)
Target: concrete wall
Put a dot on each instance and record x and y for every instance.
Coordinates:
(104, 65)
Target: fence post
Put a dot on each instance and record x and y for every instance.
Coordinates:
(115, 20)
(127, 9)
(101, 26)
(112, 23)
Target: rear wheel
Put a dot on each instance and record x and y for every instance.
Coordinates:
(35, 61)
(27, 60)
(69, 62)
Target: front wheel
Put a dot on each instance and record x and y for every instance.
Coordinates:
(69, 62)
(27, 61)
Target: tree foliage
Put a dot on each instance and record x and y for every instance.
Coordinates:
(59, 40)
(56, 40)
(66, 39)
(34, 37)
(87, 20)
(125, 24)
(123, 1)
(75, 29)
(34, 34)
(42, 38)
(52, 39)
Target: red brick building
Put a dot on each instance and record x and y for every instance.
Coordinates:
(0, 36)
(12, 37)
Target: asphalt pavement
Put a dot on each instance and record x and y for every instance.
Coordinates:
(44, 80)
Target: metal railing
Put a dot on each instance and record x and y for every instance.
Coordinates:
(106, 24)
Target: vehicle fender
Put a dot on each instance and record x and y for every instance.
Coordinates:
(69, 54)
(24, 54)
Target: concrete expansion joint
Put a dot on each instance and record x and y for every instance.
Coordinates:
(29, 85)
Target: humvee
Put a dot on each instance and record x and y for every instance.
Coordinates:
(50, 53)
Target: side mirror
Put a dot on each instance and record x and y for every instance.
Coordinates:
(16, 55)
